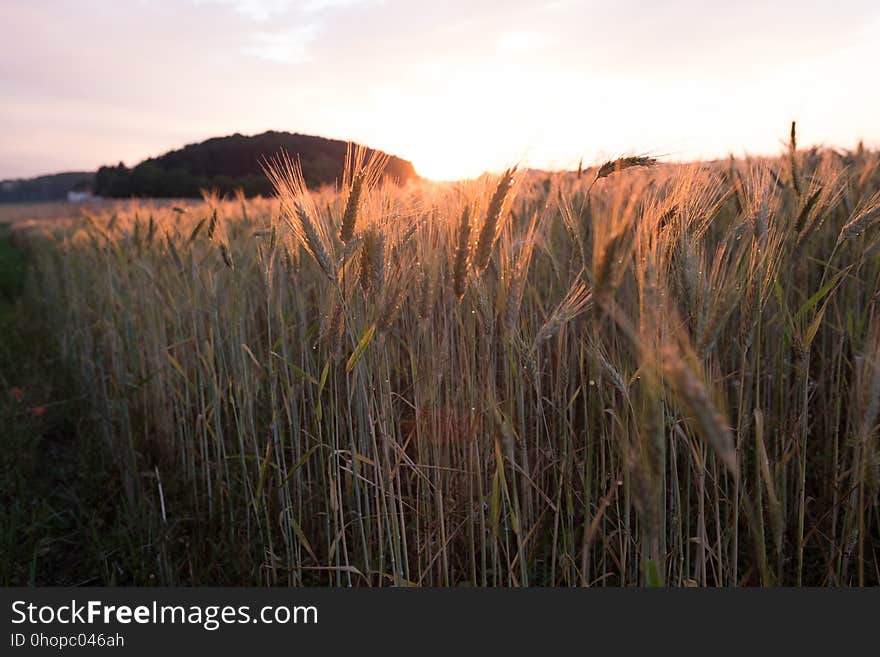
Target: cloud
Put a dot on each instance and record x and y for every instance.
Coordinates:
(322, 5)
(264, 10)
(286, 46)
(521, 41)
(258, 10)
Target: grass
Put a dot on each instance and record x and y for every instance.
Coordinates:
(27, 514)
(60, 520)
(649, 375)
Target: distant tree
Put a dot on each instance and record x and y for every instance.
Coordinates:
(45, 188)
(113, 181)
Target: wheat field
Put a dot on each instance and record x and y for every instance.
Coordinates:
(637, 374)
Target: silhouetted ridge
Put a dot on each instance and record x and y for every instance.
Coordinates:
(229, 163)
(54, 187)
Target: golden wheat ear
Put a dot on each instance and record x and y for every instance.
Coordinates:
(363, 170)
(298, 210)
(462, 253)
(864, 217)
(491, 224)
(623, 163)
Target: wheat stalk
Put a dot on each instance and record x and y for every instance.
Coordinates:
(865, 217)
(491, 223)
(462, 251)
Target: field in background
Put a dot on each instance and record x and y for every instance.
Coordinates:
(28, 213)
(638, 375)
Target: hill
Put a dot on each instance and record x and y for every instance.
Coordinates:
(230, 163)
(45, 188)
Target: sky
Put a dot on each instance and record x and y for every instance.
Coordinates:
(457, 87)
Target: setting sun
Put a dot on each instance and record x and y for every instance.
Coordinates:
(546, 85)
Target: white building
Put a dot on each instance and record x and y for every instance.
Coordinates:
(79, 197)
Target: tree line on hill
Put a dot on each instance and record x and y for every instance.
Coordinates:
(230, 163)
(45, 188)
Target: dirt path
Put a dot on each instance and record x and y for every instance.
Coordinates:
(53, 527)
